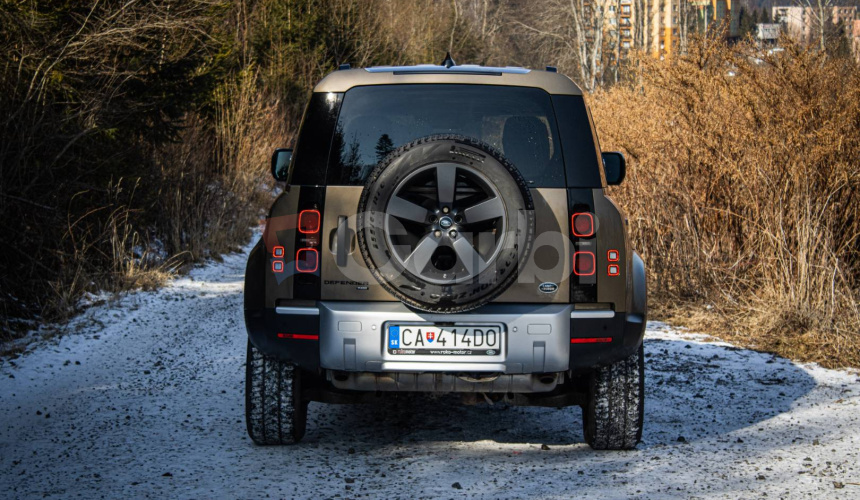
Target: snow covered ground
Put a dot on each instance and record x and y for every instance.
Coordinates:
(145, 399)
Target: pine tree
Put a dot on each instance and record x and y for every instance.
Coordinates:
(747, 23)
(384, 146)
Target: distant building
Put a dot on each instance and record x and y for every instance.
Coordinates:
(659, 26)
(711, 13)
(796, 21)
(618, 21)
(844, 15)
(767, 32)
(855, 40)
(801, 23)
(665, 23)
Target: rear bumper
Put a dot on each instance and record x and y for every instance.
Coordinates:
(536, 338)
(350, 337)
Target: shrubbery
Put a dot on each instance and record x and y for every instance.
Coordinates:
(744, 190)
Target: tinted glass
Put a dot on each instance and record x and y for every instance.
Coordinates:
(518, 121)
(312, 149)
(581, 155)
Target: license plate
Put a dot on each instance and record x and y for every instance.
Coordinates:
(431, 340)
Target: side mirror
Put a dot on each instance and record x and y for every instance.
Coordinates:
(615, 167)
(281, 159)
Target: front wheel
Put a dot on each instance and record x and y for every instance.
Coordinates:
(612, 418)
(275, 411)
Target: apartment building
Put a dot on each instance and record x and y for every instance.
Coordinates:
(663, 24)
(619, 23)
(801, 23)
(855, 40)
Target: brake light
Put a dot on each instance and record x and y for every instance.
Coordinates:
(584, 263)
(612, 255)
(613, 270)
(307, 260)
(278, 252)
(309, 221)
(582, 224)
(298, 336)
(592, 340)
(278, 266)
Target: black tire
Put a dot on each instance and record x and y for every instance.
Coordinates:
(275, 412)
(612, 418)
(464, 287)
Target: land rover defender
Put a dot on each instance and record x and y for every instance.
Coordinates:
(446, 229)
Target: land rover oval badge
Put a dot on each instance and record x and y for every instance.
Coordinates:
(548, 287)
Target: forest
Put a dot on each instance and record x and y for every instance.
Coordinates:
(136, 137)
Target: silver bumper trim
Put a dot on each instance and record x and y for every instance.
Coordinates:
(303, 311)
(592, 314)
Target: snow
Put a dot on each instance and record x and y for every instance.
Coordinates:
(144, 398)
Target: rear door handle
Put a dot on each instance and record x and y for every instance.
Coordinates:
(342, 240)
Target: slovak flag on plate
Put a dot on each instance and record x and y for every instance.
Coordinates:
(431, 336)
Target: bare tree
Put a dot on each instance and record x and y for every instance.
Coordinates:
(569, 32)
(820, 12)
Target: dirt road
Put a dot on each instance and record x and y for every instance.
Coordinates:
(144, 398)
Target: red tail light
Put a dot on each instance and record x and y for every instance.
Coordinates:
(592, 340)
(278, 266)
(584, 263)
(298, 336)
(307, 260)
(309, 221)
(582, 224)
(278, 252)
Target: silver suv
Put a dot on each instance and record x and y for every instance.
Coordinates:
(445, 229)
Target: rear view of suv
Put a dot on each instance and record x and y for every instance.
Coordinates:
(445, 229)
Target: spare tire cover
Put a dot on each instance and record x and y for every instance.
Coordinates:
(445, 223)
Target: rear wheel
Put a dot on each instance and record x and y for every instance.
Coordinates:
(275, 412)
(612, 418)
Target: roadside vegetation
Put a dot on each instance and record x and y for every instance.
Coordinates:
(744, 193)
(136, 137)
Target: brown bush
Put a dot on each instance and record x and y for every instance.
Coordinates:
(743, 191)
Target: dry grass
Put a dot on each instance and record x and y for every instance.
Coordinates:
(743, 192)
(213, 183)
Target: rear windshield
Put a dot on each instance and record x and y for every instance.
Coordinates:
(518, 121)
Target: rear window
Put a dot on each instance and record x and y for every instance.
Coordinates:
(518, 121)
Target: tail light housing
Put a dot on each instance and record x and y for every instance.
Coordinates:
(308, 227)
(307, 260)
(582, 224)
(309, 221)
(584, 263)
